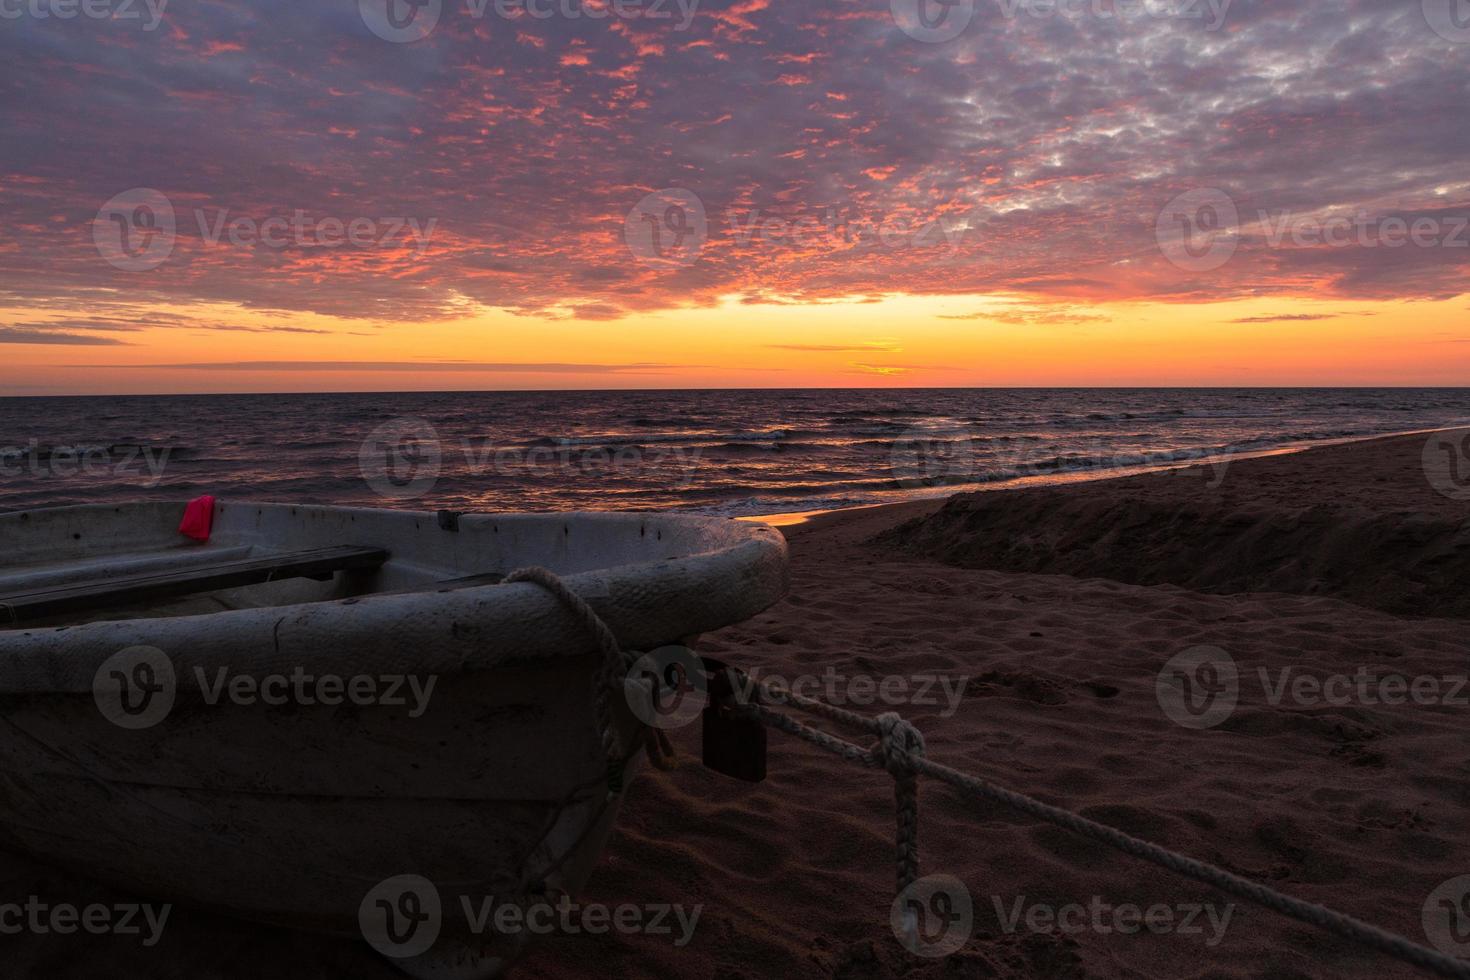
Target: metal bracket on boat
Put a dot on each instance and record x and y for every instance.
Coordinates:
(734, 741)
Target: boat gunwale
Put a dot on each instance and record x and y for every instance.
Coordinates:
(647, 603)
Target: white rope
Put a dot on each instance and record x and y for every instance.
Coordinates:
(900, 751)
(608, 680)
(1390, 944)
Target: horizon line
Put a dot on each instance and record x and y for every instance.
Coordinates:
(533, 391)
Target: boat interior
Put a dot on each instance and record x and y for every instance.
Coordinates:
(92, 564)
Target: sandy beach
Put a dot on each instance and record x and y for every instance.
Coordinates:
(1053, 635)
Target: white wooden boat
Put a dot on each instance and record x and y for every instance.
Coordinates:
(293, 813)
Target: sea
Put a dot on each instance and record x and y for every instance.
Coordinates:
(735, 453)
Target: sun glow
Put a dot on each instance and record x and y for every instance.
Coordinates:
(909, 341)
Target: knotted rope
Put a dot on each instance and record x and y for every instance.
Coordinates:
(900, 751)
(1388, 943)
(900, 748)
(608, 679)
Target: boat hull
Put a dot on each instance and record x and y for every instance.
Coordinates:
(475, 763)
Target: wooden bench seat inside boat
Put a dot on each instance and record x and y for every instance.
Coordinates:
(19, 603)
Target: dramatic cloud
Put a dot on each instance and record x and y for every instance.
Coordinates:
(311, 166)
(840, 348)
(418, 367)
(1286, 318)
(1060, 314)
(1301, 317)
(18, 335)
(892, 369)
(156, 322)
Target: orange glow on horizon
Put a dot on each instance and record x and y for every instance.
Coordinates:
(898, 341)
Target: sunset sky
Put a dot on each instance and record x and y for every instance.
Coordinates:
(1269, 193)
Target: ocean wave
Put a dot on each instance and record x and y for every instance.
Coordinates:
(737, 451)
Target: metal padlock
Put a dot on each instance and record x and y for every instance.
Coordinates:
(734, 742)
